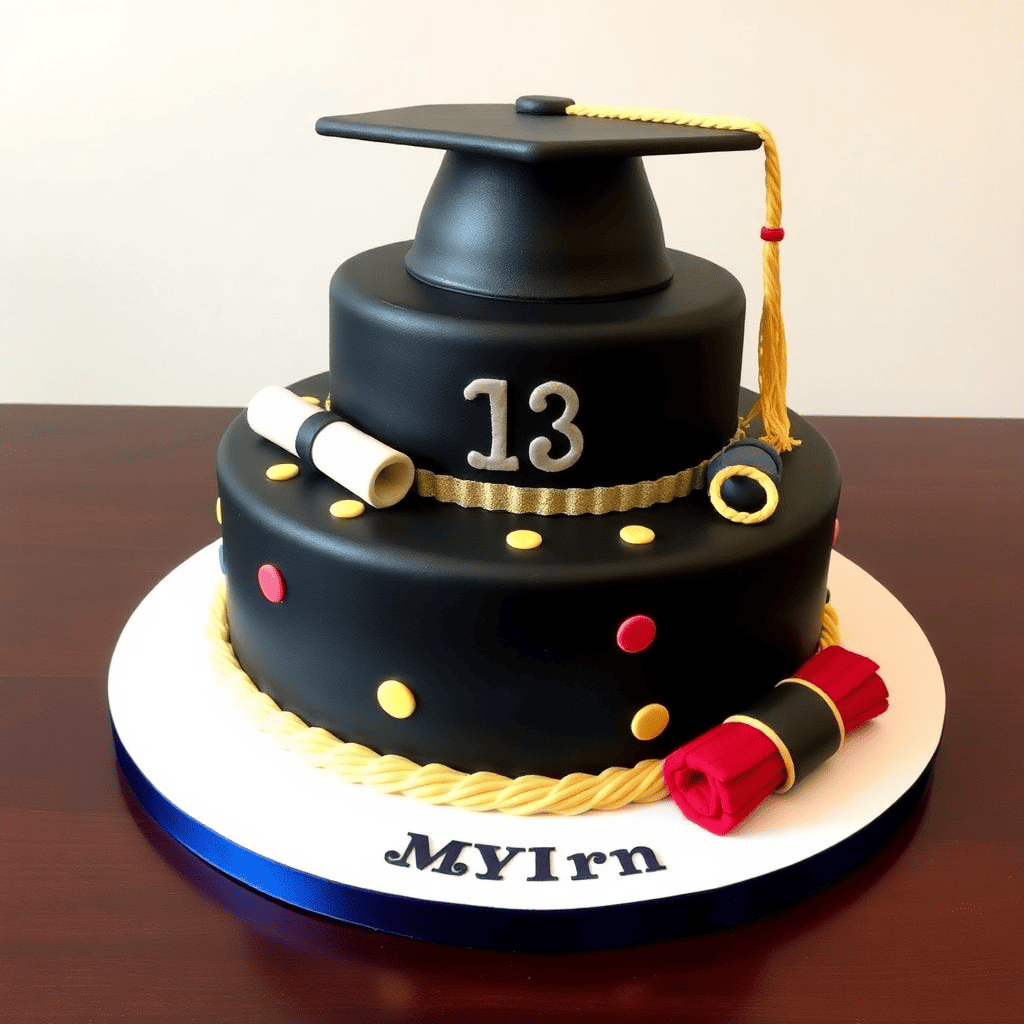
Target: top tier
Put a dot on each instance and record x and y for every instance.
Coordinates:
(532, 204)
(537, 334)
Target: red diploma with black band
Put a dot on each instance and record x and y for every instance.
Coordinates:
(722, 776)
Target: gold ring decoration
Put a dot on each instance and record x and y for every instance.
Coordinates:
(435, 783)
(771, 494)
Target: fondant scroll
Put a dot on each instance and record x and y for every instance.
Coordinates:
(380, 475)
(720, 777)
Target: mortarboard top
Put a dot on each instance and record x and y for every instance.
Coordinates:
(534, 129)
(533, 204)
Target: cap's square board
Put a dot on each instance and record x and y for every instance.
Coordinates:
(496, 129)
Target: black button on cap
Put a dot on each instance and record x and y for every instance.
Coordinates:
(543, 104)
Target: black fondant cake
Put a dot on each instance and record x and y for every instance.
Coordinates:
(545, 362)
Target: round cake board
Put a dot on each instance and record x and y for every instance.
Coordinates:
(268, 818)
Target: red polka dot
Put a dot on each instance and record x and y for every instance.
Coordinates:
(271, 583)
(635, 634)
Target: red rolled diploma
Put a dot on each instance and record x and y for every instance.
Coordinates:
(722, 776)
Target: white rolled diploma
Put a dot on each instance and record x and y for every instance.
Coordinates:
(380, 475)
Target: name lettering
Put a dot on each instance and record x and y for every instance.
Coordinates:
(582, 862)
(542, 864)
(627, 862)
(419, 847)
(538, 860)
(492, 865)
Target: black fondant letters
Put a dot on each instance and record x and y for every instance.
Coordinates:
(542, 864)
(448, 863)
(582, 862)
(627, 860)
(419, 847)
(492, 865)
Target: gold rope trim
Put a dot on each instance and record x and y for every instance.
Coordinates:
(771, 494)
(771, 336)
(830, 634)
(573, 501)
(433, 783)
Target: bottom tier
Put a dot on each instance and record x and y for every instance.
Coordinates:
(268, 816)
(510, 660)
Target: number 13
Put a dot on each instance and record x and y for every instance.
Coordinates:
(540, 447)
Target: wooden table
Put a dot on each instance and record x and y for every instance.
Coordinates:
(104, 918)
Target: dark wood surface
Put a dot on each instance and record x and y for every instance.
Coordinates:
(103, 918)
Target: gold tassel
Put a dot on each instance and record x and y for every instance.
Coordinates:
(771, 335)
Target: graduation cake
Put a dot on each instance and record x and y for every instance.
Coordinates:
(528, 536)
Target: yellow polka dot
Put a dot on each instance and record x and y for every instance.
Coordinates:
(637, 534)
(524, 539)
(348, 508)
(216, 509)
(649, 721)
(283, 471)
(312, 399)
(396, 698)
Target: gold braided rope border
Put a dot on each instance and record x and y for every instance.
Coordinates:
(771, 335)
(436, 783)
(574, 501)
(830, 634)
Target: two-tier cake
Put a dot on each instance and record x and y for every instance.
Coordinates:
(525, 541)
(557, 594)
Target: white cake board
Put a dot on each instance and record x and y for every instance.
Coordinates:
(266, 817)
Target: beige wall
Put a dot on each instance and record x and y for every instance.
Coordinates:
(169, 220)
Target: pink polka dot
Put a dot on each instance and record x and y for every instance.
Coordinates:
(835, 533)
(635, 634)
(271, 583)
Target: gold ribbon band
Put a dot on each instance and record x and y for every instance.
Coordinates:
(573, 501)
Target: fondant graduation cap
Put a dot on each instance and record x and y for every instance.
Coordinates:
(547, 200)
(533, 204)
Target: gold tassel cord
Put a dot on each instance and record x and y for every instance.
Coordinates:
(771, 340)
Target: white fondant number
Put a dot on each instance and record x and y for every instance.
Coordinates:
(497, 392)
(540, 447)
